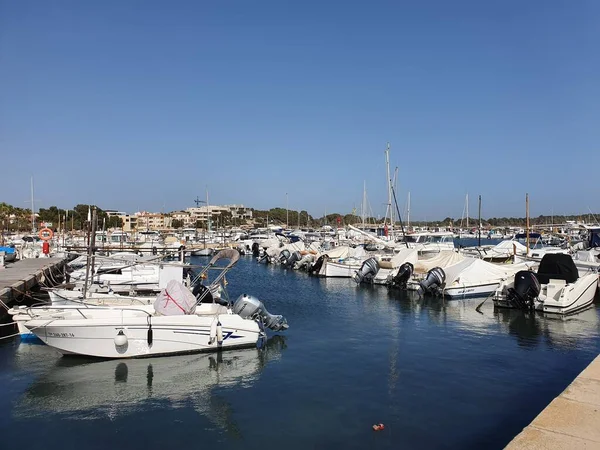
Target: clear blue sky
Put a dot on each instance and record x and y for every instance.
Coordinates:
(139, 105)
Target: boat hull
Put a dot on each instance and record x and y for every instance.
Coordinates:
(170, 335)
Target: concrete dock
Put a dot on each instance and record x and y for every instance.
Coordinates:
(21, 276)
(570, 421)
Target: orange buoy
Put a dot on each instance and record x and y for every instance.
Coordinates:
(46, 234)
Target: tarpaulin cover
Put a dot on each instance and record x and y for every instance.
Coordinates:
(505, 249)
(472, 271)
(175, 300)
(442, 259)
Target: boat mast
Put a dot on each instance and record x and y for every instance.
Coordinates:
(479, 234)
(32, 208)
(467, 208)
(408, 213)
(527, 220)
(364, 204)
(389, 209)
(207, 211)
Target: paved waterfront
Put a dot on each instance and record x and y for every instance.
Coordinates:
(571, 420)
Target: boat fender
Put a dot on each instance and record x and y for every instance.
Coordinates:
(219, 333)
(150, 336)
(120, 339)
(213, 332)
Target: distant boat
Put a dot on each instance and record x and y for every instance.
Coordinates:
(203, 252)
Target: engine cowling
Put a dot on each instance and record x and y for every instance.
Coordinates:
(367, 271)
(249, 307)
(401, 278)
(435, 278)
(526, 288)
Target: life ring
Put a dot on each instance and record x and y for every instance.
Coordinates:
(46, 234)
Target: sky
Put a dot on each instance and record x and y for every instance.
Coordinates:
(145, 105)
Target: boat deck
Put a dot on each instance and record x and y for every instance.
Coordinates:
(571, 420)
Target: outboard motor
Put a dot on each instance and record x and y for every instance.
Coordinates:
(305, 262)
(405, 271)
(249, 307)
(435, 278)
(525, 290)
(284, 255)
(293, 259)
(367, 271)
(316, 267)
(255, 250)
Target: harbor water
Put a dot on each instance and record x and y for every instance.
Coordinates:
(438, 374)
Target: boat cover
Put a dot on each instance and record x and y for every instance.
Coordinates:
(506, 249)
(443, 259)
(410, 255)
(344, 251)
(276, 250)
(473, 271)
(175, 300)
(557, 266)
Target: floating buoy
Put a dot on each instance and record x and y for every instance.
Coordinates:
(120, 339)
(378, 427)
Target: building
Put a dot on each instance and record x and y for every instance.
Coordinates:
(129, 222)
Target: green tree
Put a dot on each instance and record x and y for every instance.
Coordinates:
(177, 223)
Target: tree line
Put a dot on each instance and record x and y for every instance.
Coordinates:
(13, 218)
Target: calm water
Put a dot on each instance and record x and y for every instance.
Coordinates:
(438, 375)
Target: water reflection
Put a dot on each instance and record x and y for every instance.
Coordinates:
(84, 389)
(530, 329)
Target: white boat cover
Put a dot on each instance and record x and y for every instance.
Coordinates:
(443, 259)
(410, 255)
(506, 249)
(175, 300)
(275, 250)
(474, 271)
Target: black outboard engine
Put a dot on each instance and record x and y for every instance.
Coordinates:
(405, 271)
(316, 267)
(367, 271)
(249, 307)
(284, 255)
(255, 249)
(435, 278)
(525, 290)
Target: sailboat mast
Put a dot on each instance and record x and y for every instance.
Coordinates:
(389, 183)
(32, 208)
(467, 207)
(364, 203)
(207, 211)
(408, 213)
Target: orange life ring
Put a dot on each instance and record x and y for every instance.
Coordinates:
(46, 234)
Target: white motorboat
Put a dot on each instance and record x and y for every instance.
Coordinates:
(474, 277)
(178, 322)
(556, 288)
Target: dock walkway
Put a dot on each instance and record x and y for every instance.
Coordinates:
(20, 276)
(570, 421)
